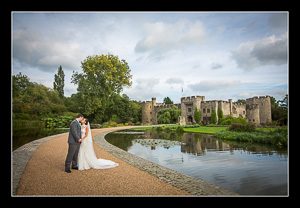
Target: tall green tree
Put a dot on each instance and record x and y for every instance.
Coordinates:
(59, 82)
(102, 77)
(197, 115)
(213, 117)
(168, 100)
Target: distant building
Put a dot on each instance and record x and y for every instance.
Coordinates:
(257, 110)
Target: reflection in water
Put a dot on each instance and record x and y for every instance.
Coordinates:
(244, 168)
(198, 144)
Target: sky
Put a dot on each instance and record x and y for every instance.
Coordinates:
(219, 55)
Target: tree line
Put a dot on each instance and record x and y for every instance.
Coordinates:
(98, 94)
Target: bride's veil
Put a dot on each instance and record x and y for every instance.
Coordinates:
(89, 137)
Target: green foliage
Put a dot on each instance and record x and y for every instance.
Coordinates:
(164, 118)
(102, 78)
(59, 82)
(277, 137)
(279, 110)
(180, 129)
(197, 115)
(220, 114)
(230, 119)
(168, 115)
(240, 127)
(32, 101)
(213, 118)
(168, 100)
(241, 101)
(58, 121)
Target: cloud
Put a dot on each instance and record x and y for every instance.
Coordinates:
(143, 89)
(279, 94)
(215, 66)
(271, 50)
(278, 21)
(161, 39)
(174, 80)
(214, 85)
(34, 49)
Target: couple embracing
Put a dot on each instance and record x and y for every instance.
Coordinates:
(81, 151)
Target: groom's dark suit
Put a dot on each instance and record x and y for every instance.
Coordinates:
(74, 145)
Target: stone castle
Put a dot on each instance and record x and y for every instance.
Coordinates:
(257, 110)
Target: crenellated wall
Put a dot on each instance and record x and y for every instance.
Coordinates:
(256, 110)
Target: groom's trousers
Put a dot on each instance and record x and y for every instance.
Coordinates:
(72, 155)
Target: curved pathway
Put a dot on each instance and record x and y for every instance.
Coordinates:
(44, 175)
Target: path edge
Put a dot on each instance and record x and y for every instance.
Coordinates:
(179, 180)
(20, 158)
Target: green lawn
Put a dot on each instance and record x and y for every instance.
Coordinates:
(201, 129)
(205, 129)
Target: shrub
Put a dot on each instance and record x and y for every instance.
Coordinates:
(242, 127)
(230, 119)
(179, 129)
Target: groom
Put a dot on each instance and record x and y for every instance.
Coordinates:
(74, 140)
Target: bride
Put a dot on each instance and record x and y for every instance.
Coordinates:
(86, 157)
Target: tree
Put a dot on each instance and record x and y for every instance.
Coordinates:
(102, 77)
(197, 115)
(168, 115)
(168, 100)
(59, 82)
(220, 114)
(19, 85)
(241, 101)
(213, 118)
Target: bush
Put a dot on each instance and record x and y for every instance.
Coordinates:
(180, 129)
(242, 127)
(277, 137)
(230, 119)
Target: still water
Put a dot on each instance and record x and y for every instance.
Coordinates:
(244, 168)
(24, 136)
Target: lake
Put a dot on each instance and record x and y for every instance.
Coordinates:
(26, 135)
(244, 168)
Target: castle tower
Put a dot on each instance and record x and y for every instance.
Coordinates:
(188, 105)
(147, 108)
(259, 109)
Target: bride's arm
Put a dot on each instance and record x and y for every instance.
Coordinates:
(86, 134)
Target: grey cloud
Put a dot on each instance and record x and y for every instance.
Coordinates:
(267, 51)
(174, 80)
(214, 85)
(278, 21)
(216, 66)
(32, 48)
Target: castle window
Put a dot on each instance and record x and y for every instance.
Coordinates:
(208, 110)
(203, 110)
(150, 112)
(244, 112)
(189, 110)
(253, 120)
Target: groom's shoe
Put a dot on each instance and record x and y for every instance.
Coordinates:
(68, 170)
(75, 168)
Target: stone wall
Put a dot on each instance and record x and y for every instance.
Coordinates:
(256, 110)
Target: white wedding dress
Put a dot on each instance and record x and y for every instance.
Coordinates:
(87, 158)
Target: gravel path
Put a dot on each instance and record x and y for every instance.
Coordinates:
(44, 175)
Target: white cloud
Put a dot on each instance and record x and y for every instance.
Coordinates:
(214, 85)
(271, 50)
(36, 50)
(143, 89)
(174, 80)
(279, 94)
(161, 39)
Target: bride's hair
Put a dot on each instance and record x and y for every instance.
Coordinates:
(87, 121)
